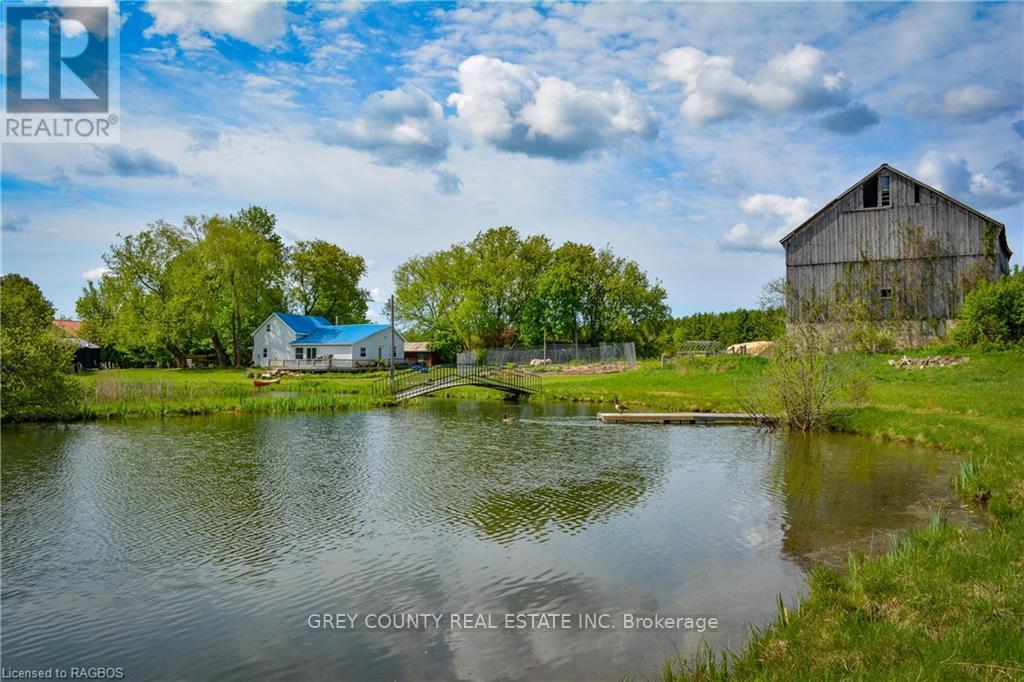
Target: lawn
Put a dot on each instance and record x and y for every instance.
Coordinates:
(945, 603)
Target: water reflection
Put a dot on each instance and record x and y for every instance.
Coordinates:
(843, 493)
(195, 548)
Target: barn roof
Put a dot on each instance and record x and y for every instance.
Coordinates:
(72, 327)
(332, 335)
(885, 166)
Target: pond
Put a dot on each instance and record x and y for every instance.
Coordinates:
(207, 547)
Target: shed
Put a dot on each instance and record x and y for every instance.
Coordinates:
(87, 354)
(421, 352)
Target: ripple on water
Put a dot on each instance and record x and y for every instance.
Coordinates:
(197, 547)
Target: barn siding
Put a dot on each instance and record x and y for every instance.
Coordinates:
(935, 238)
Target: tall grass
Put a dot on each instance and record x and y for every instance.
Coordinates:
(121, 394)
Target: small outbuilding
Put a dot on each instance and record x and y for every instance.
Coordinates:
(312, 342)
(87, 354)
(421, 352)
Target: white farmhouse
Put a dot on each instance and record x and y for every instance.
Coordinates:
(308, 341)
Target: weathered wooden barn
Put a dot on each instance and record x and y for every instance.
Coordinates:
(891, 248)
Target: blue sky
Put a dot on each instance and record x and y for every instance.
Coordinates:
(686, 136)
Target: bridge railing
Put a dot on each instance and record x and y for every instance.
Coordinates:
(462, 374)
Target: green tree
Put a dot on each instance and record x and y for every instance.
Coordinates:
(501, 290)
(173, 290)
(132, 304)
(248, 269)
(324, 280)
(500, 271)
(429, 292)
(993, 312)
(588, 296)
(35, 358)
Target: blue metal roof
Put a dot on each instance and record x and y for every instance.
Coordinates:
(331, 335)
(304, 324)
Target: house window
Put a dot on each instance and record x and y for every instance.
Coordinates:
(362, 351)
(264, 352)
(394, 352)
(380, 352)
(298, 352)
(886, 293)
(917, 194)
(311, 353)
(883, 191)
(268, 327)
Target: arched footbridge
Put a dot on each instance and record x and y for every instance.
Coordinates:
(412, 383)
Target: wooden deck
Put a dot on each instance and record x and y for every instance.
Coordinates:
(705, 418)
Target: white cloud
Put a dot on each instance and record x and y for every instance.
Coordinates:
(514, 109)
(778, 216)
(95, 274)
(798, 80)
(195, 23)
(404, 126)
(265, 90)
(1002, 186)
(968, 103)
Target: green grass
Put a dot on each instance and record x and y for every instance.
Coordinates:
(945, 603)
(126, 393)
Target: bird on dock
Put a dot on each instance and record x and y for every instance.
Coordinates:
(619, 407)
(509, 419)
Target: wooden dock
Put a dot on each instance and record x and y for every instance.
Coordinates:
(702, 418)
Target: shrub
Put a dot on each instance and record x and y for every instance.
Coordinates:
(35, 360)
(806, 378)
(993, 313)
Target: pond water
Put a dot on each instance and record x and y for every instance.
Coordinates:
(199, 547)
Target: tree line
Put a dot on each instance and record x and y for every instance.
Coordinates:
(734, 326)
(501, 289)
(205, 285)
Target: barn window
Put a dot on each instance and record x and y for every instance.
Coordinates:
(883, 187)
(298, 352)
(917, 194)
(886, 293)
(362, 351)
(871, 193)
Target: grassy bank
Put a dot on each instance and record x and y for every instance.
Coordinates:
(945, 603)
(164, 392)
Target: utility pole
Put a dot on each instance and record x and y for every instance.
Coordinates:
(391, 360)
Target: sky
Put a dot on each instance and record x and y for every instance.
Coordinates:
(688, 137)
